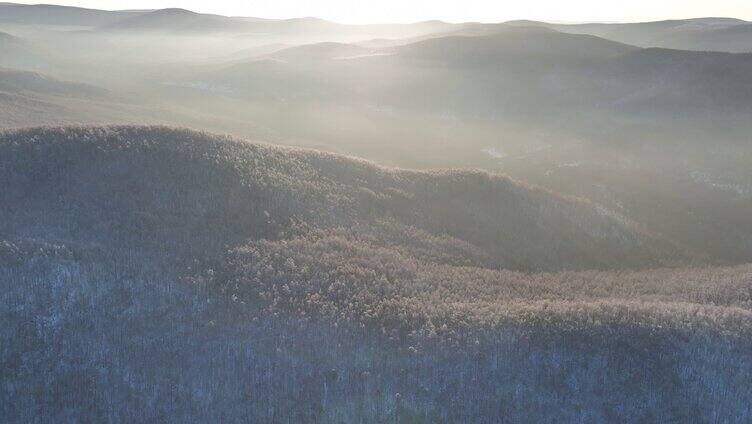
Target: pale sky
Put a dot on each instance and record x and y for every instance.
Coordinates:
(382, 11)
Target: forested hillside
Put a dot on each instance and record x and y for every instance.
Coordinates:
(153, 274)
(190, 194)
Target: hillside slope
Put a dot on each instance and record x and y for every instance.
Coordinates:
(189, 192)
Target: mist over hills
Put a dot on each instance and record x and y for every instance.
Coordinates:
(704, 34)
(536, 103)
(169, 20)
(591, 71)
(512, 44)
(18, 53)
(551, 107)
(734, 39)
(21, 81)
(180, 21)
(549, 223)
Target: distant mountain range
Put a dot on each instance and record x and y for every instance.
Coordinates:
(586, 72)
(711, 34)
(705, 34)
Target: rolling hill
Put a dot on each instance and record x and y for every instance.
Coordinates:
(243, 191)
(542, 99)
(535, 70)
(153, 274)
(596, 270)
(507, 44)
(732, 39)
(54, 15)
(175, 20)
(180, 21)
(702, 34)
